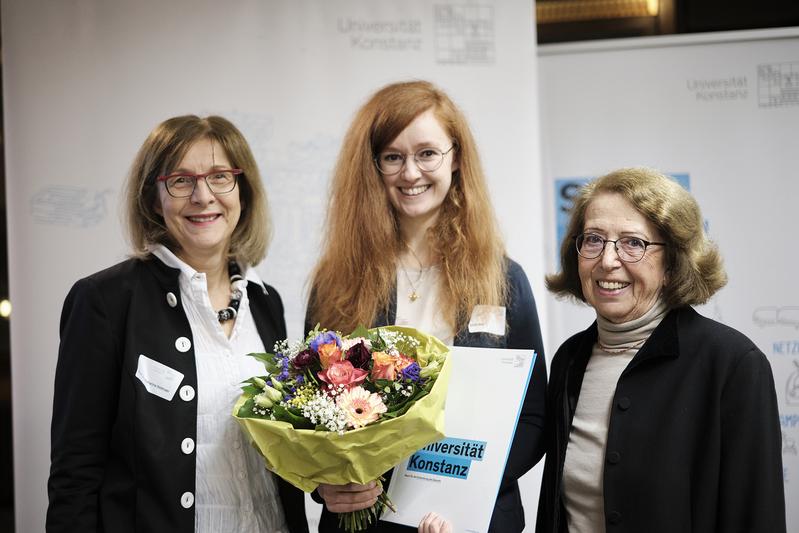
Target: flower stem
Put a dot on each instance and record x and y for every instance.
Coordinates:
(360, 520)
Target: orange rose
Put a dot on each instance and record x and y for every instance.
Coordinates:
(383, 366)
(329, 353)
(403, 362)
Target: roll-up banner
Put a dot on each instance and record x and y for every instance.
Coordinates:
(85, 82)
(719, 113)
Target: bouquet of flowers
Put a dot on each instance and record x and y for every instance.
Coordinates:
(338, 409)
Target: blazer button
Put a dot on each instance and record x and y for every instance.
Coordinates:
(624, 403)
(614, 517)
(171, 299)
(182, 344)
(187, 393)
(187, 500)
(614, 457)
(187, 446)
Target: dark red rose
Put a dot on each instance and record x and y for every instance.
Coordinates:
(305, 359)
(359, 355)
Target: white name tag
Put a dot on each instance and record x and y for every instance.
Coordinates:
(487, 319)
(158, 378)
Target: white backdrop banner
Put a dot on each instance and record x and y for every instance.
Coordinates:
(719, 112)
(86, 81)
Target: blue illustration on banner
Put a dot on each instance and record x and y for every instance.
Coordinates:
(294, 172)
(451, 457)
(789, 421)
(792, 386)
(566, 189)
(789, 445)
(785, 347)
(67, 205)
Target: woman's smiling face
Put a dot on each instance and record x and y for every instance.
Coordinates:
(415, 194)
(619, 291)
(203, 223)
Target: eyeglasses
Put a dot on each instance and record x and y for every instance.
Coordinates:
(629, 249)
(181, 185)
(427, 159)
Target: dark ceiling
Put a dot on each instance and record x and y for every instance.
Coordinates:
(580, 20)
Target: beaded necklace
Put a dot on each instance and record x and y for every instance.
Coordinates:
(232, 309)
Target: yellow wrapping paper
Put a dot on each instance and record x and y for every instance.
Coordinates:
(305, 457)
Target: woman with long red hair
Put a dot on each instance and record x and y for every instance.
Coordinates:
(411, 239)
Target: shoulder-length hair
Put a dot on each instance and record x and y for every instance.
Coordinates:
(694, 269)
(355, 277)
(162, 152)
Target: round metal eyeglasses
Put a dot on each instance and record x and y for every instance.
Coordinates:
(427, 159)
(629, 249)
(182, 185)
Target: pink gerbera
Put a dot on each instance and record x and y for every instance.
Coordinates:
(360, 406)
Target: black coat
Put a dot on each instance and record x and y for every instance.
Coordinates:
(523, 332)
(694, 442)
(116, 459)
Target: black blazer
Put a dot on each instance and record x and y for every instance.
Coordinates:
(116, 458)
(523, 332)
(694, 441)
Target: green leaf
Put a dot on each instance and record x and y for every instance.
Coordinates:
(296, 411)
(245, 411)
(286, 415)
(378, 344)
(401, 408)
(263, 357)
(251, 389)
(313, 333)
(360, 331)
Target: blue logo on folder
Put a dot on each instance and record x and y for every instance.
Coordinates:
(450, 457)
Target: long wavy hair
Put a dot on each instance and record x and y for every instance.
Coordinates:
(161, 152)
(694, 268)
(355, 278)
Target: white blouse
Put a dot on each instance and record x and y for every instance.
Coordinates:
(234, 490)
(422, 312)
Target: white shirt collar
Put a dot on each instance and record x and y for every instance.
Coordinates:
(171, 260)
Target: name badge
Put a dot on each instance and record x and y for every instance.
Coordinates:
(158, 378)
(488, 319)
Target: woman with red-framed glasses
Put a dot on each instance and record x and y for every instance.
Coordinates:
(153, 351)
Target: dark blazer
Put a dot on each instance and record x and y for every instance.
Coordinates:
(116, 460)
(523, 332)
(694, 440)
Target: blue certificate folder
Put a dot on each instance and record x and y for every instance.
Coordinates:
(458, 477)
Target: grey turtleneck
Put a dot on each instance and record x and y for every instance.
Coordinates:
(584, 466)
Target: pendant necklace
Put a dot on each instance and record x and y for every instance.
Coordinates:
(414, 295)
(235, 294)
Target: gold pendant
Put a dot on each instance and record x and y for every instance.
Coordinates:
(413, 296)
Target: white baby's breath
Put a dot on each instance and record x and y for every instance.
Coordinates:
(290, 350)
(398, 342)
(322, 410)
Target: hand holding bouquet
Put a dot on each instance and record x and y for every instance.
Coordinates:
(339, 409)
